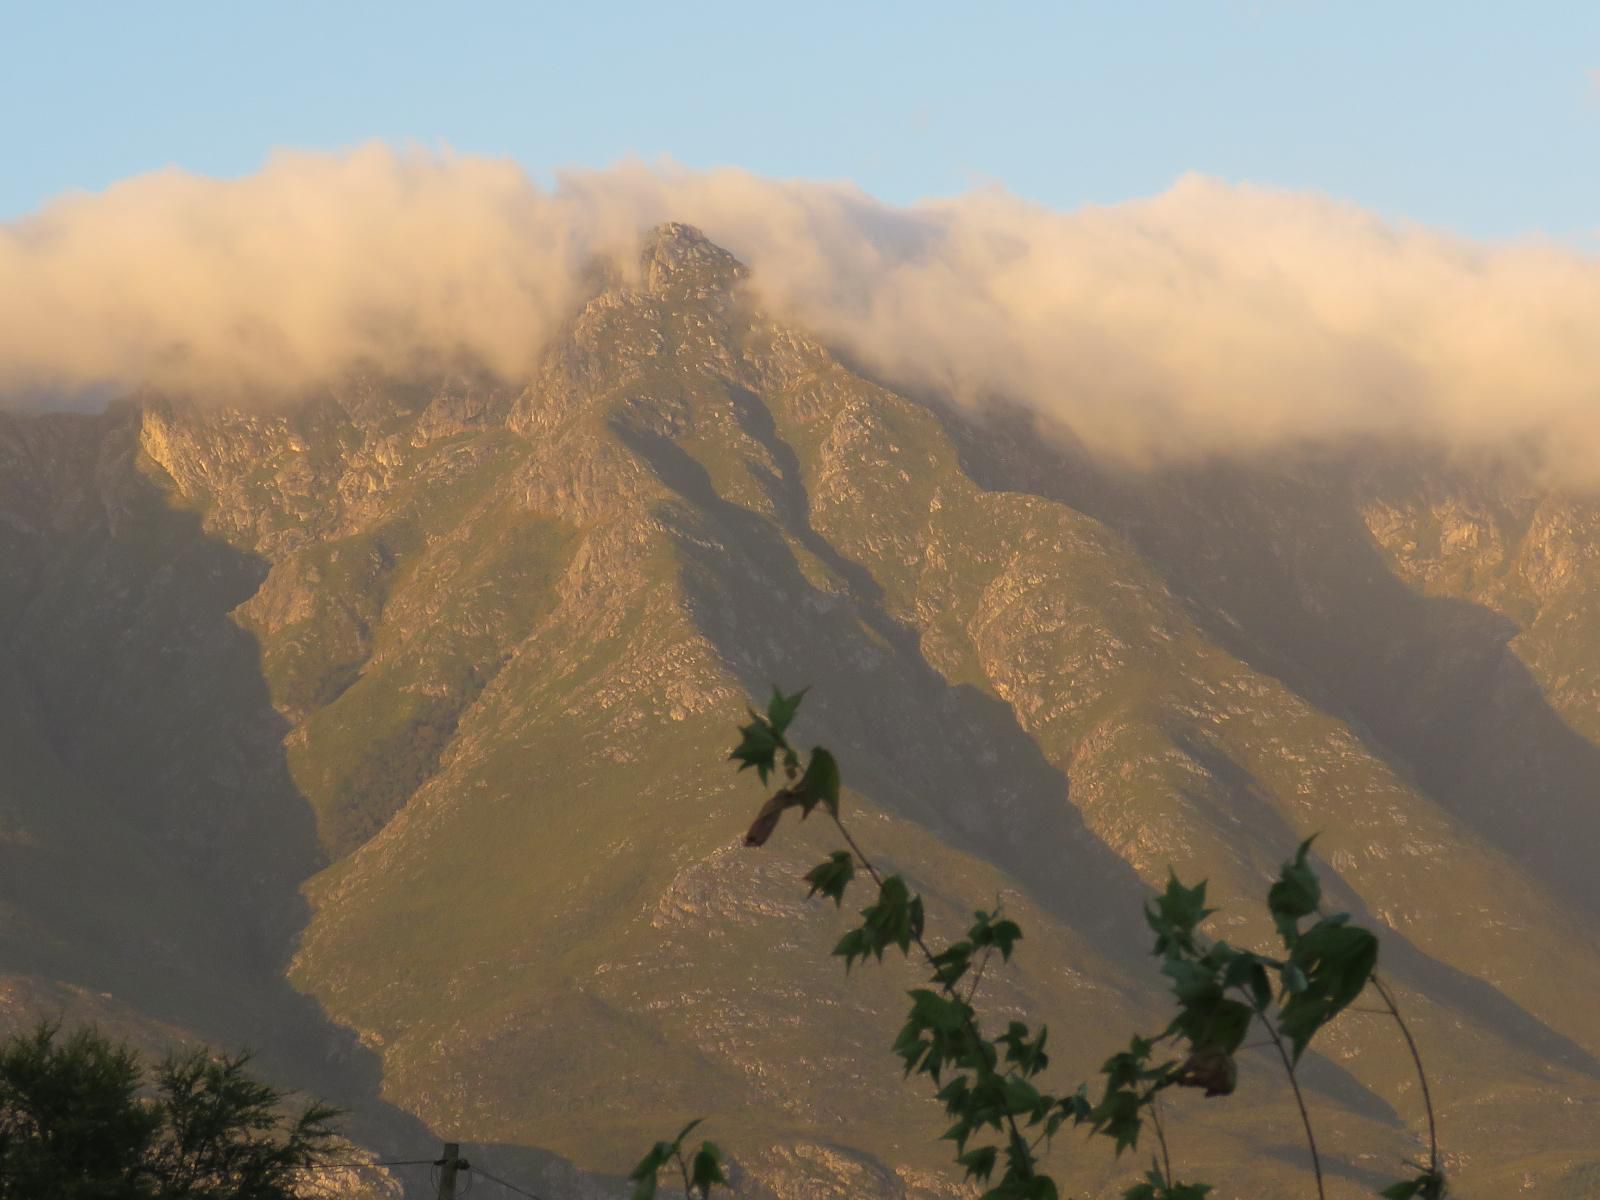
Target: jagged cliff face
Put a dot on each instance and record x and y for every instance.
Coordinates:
(386, 733)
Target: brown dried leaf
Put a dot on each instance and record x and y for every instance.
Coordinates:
(1212, 1070)
(767, 819)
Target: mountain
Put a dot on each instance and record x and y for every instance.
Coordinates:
(386, 732)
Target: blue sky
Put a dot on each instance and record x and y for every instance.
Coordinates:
(1483, 118)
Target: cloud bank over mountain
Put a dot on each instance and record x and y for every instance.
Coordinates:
(1214, 318)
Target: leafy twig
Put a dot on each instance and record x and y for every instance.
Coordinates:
(1018, 1142)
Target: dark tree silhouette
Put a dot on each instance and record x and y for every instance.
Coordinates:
(81, 1120)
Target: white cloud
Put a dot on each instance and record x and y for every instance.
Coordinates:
(1212, 318)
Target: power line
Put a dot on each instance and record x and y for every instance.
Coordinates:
(511, 1187)
(468, 1168)
(357, 1164)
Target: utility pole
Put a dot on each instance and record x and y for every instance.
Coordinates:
(448, 1166)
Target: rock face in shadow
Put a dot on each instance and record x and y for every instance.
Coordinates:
(386, 733)
(155, 840)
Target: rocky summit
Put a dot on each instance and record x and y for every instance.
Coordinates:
(386, 732)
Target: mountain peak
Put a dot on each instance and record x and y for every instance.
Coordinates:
(675, 255)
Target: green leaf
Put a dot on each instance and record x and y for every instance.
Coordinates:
(1019, 1185)
(820, 783)
(781, 709)
(912, 1048)
(1022, 1097)
(1155, 1188)
(1249, 971)
(951, 963)
(644, 1175)
(1128, 1067)
(1296, 894)
(1226, 1026)
(979, 1163)
(989, 930)
(852, 946)
(893, 921)
(1191, 981)
(1077, 1106)
(706, 1168)
(1006, 935)
(1337, 960)
(1427, 1186)
(937, 1032)
(648, 1165)
(1176, 913)
(832, 877)
(1117, 1117)
(1029, 1056)
(938, 1012)
(757, 748)
(1212, 1023)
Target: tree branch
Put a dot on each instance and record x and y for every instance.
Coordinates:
(1299, 1099)
(1422, 1076)
(1161, 1138)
